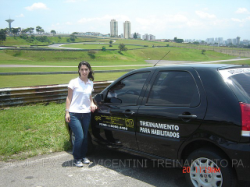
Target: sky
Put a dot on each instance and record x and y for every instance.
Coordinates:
(165, 19)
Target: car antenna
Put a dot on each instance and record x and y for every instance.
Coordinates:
(162, 58)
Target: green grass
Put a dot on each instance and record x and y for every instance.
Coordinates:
(35, 80)
(32, 130)
(99, 46)
(17, 41)
(137, 56)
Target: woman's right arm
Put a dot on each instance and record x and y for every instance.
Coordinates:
(68, 101)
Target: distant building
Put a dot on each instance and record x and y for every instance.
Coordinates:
(152, 37)
(220, 41)
(238, 40)
(229, 42)
(127, 29)
(113, 28)
(148, 37)
(210, 40)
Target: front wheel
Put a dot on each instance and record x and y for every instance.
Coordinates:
(208, 168)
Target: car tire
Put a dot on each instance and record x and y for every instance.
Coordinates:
(207, 167)
(91, 146)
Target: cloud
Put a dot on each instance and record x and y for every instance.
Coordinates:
(242, 11)
(236, 20)
(20, 16)
(74, 1)
(69, 23)
(205, 15)
(106, 18)
(37, 6)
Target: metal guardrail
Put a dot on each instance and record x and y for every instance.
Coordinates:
(40, 94)
(64, 72)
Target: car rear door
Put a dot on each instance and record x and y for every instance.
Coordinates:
(172, 110)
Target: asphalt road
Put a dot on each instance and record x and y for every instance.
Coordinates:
(107, 168)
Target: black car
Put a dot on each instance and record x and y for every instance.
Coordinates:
(195, 115)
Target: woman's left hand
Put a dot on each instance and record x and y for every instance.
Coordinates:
(93, 107)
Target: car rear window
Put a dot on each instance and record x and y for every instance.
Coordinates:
(174, 88)
(239, 81)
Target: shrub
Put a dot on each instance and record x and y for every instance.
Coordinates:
(103, 48)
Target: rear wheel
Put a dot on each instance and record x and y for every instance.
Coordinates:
(209, 168)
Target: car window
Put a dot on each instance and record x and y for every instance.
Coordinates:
(174, 88)
(128, 90)
(239, 81)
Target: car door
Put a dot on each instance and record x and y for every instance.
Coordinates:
(171, 111)
(116, 115)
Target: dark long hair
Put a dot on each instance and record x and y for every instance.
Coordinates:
(91, 72)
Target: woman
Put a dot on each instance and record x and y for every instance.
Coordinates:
(79, 105)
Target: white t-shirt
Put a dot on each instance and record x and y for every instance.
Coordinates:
(80, 102)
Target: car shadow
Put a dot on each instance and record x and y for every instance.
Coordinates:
(149, 171)
(140, 168)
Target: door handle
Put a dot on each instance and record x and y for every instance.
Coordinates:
(187, 116)
(128, 112)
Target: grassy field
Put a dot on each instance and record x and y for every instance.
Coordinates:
(17, 41)
(100, 58)
(99, 46)
(33, 80)
(32, 130)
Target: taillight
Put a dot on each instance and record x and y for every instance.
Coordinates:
(245, 119)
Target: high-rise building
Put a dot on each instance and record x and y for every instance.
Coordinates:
(238, 40)
(113, 28)
(127, 29)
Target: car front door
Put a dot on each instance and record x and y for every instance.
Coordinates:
(116, 115)
(171, 111)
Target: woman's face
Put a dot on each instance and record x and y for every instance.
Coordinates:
(84, 71)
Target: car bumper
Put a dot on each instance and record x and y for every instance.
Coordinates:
(239, 154)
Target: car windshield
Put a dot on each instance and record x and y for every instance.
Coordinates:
(239, 81)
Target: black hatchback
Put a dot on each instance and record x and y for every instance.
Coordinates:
(195, 115)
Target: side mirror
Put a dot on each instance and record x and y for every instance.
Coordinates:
(99, 98)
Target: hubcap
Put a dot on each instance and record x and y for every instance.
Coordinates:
(205, 172)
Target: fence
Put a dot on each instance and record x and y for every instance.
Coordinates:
(40, 94)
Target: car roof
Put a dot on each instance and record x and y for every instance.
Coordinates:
(197, 66)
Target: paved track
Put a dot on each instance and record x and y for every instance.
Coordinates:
(107, 168)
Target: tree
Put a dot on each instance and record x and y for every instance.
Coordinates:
(135, 36)
(72, 37)
(15, 31)
(203, 51)
(24, 31)
(122, 47)
(103, 48)
(110, 43)
(2, 35)
(39, 29)
(178, 40)
(31, 30)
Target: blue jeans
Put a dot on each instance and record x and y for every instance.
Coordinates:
(79, 124)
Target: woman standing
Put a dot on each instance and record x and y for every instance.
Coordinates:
(79, 105)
